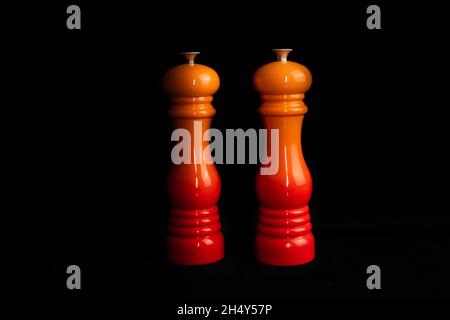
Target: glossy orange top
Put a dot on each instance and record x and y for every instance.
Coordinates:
(191, 79)
(282, 76)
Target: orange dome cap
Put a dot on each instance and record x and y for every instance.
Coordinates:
(282, 77)
(191, 79)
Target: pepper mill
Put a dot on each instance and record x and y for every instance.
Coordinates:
(195, 236)
(284, 235)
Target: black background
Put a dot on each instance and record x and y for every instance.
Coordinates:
(89, 141)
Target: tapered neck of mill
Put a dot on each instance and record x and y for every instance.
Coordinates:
(195, 115)
(286, 114)
(290, 129)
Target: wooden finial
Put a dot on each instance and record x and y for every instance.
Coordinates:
(282, 54)
(190, 56)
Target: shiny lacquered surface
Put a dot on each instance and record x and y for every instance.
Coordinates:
(284, 235)
(195, 236)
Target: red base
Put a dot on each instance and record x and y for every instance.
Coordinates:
(285, 251)
(195, 251)
(195, 237)
(284, 237)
